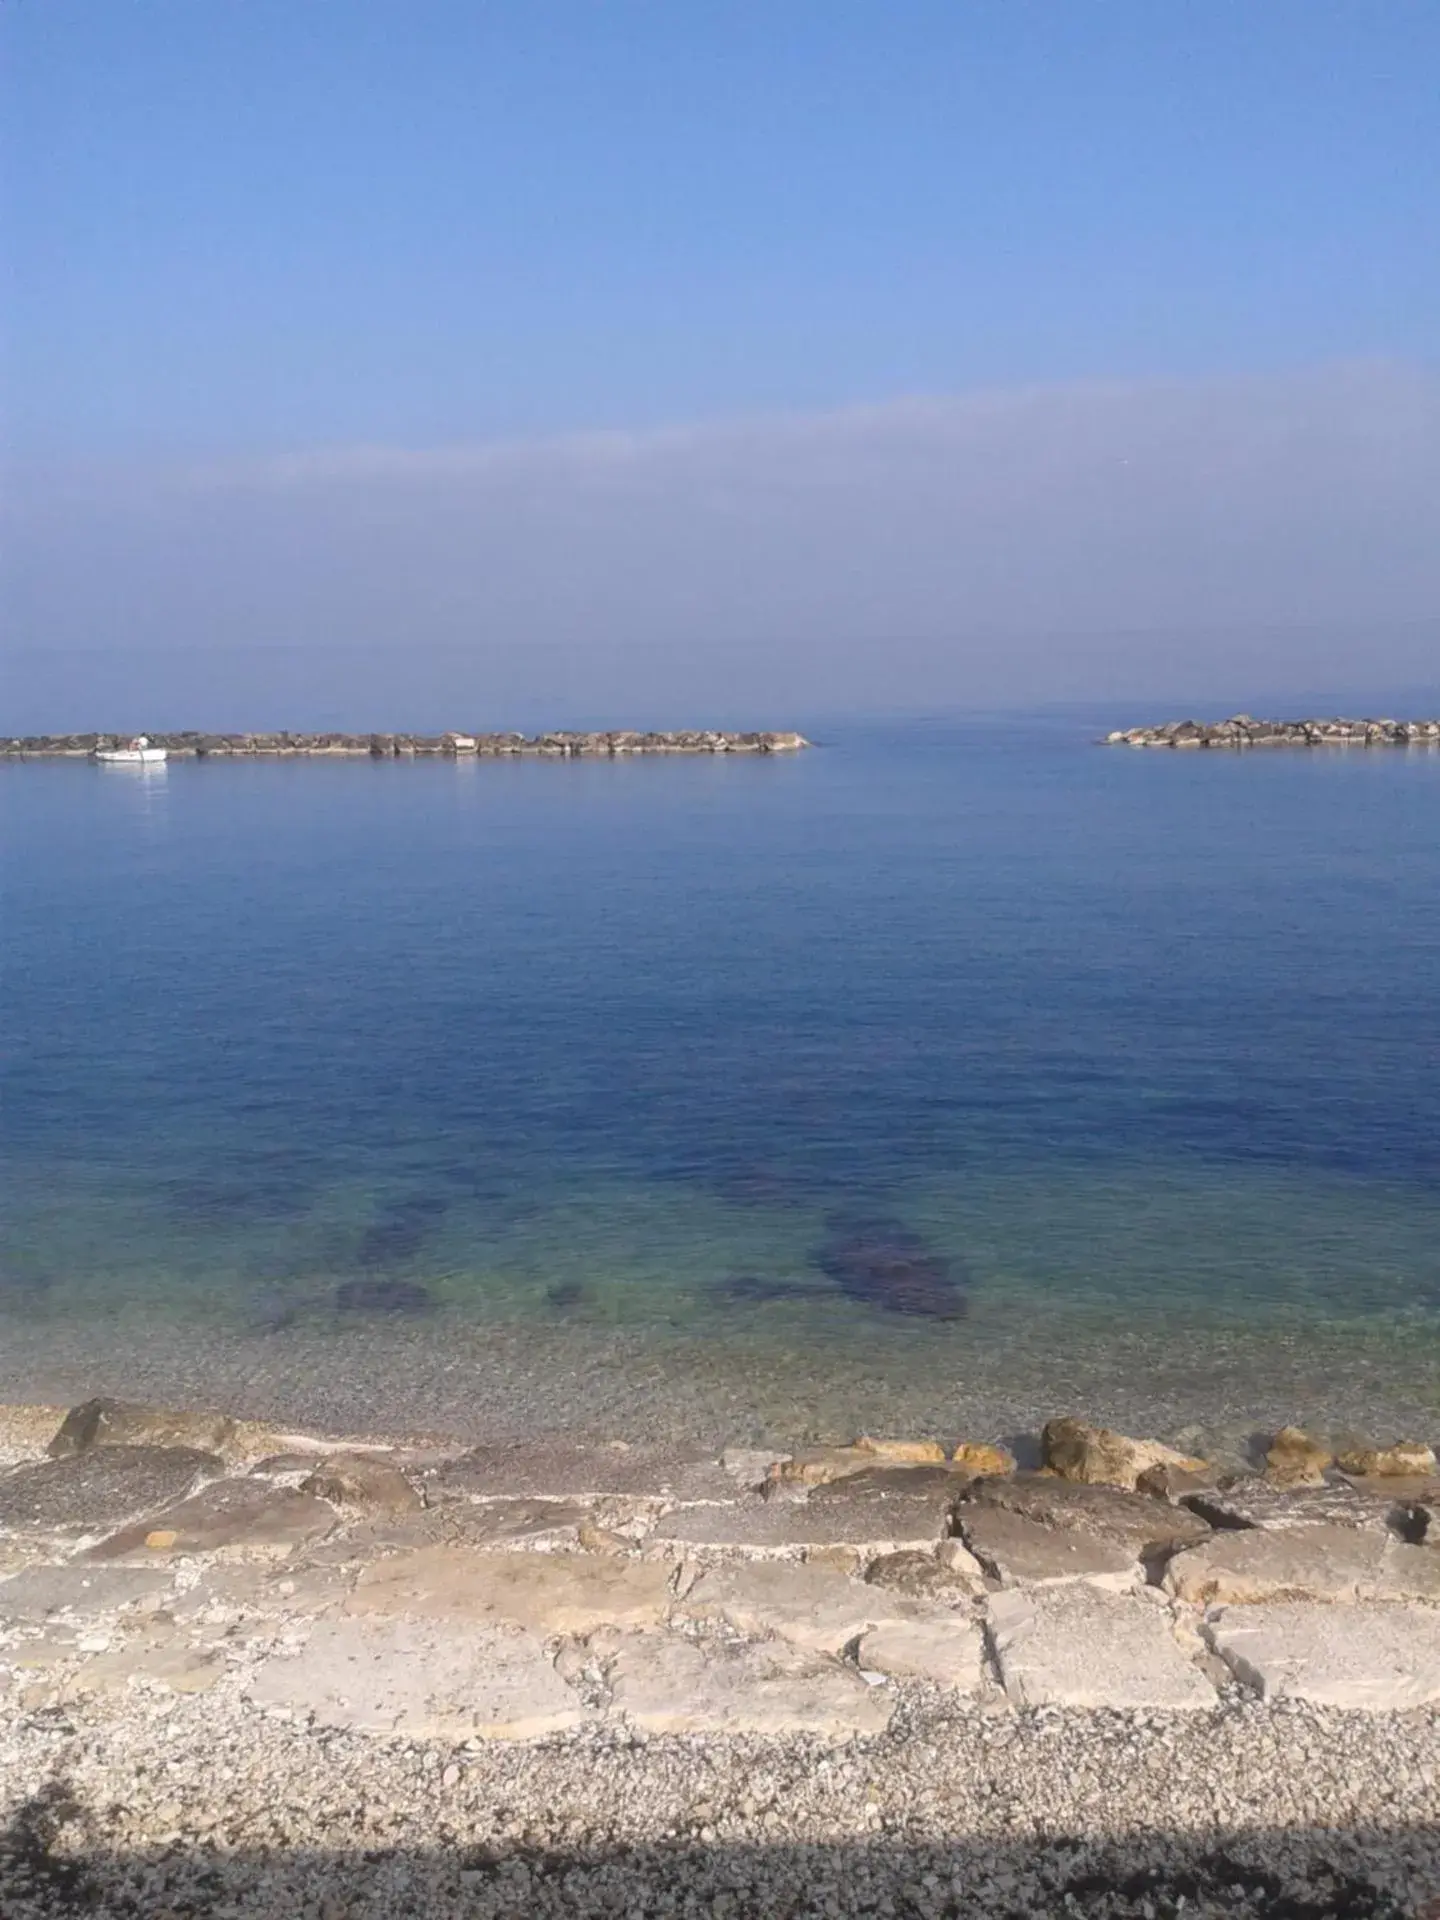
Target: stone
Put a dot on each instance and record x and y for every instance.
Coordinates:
(1405, 1458)
(121, 1423)
(77, 1589)
(362, 1482)
(411, 1679)
(1140, 1526)
(1073, 1646)
(924, 1576)
(543, 1593)
(881, 1485)
(1258, 1501)
(1365, 1658)
(229, 1515)
(180, 1666)
(1338, 1564)
(1021, 1553)
(846, 1560)
(1166, 1481)
(664, 1684)
(558, 1470)
(816, 1466)
(948, 1652)
(1295, 1459)
(809, 1606)
(771, 1525)
(982, 1457)
(98, 1489)
(902, 1453)
(1094, 1456)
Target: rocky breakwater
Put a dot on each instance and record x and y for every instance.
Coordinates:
(1243, 731)
(391, 746)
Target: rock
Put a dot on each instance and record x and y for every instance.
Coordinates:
(1095, 1456)
(749, 1467)
(496, 1523)
(847, 1560)
(817, 1466)
(1257, 1501)
(664, 1684)
(179, 1666)
(980, 1457)
(923, 1576)
(26, 1431)
(881, 1485)
(121, 1423)
(769, 1525)
(243, 1515)
(902, 1453)
(101, 1488)
(408, 1678)
(1021, 1553)
(559, 1470)
(1338, 1564)
(83, 1591)
(948, 1652)
(1295, 1459)
(1141, 1527)
(809, 1606)
(600, 1539)
(1073, 1646)
(1165, 1481)
(543, 1593)
(1406, 1457)
(364, 1483)
(1370, 1659)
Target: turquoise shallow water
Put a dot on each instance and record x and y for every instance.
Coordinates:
(937, 1049)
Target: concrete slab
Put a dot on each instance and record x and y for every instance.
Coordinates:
(948, 1652)
(1021, 1553)
(544, 1593)
(1261, 1503)
(810, 1606)
(1074, 1646)
(1382, 1659)
(669, 1685)
(1138, 1523)
(767, 1526)
(421, 1681)
(1322, 1563)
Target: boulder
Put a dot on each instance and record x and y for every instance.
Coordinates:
(1094, 1456)
(1405, 1458)
(981, 1457)
(122, 1423)
(902, 1453)
(363, 1483)
(925, 1576)
(1074, 1646)
(1295, 1459)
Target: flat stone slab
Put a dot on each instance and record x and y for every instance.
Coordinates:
(422, 1681)
(544, 1593)
(249, 1515)
(947, 1652)
(810, 1606)
(1074, 1646)
(768, 1525)
(553, 1470)
(1381, 1659)
(665, 1684)
(99, 1489)
(1325, 1563)
(1138, 1523)
(1260, 1503)
(1021, 1553)
(121, 1423)
(81, 1590)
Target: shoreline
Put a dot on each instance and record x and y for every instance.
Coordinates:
(190, 745)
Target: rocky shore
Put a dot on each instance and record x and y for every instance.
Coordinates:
(388, 746)
(249, 1671)
(1243, 731)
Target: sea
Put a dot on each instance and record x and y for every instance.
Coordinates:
(942, 1077)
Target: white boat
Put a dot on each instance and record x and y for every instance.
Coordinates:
(139, 753)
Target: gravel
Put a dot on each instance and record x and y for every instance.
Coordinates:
(158, 1809)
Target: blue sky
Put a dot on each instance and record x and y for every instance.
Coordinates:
(242, 232)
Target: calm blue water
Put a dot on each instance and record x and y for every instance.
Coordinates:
(1099, 1037)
